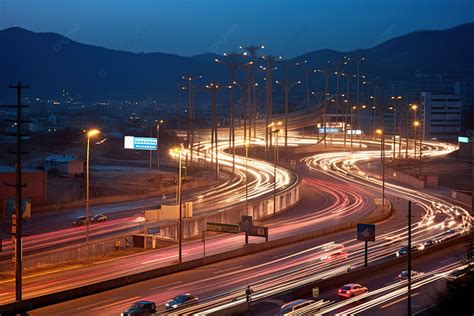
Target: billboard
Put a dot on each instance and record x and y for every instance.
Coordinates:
(366, 232)
(259, 231)
(223, 228)
(354, 132)
(246, 224)
(329, 130)
(462, 139)
(140, 143)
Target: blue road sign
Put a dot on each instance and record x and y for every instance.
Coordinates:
(140, 143)
(366, 232)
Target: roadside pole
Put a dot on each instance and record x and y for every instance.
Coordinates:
(409, 259)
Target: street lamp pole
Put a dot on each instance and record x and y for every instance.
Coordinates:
(382, 160)
(213, 88)
(360, 125)
(270, 59)
(326, 74)
(275, 154)
(177, 152)
(90, 134)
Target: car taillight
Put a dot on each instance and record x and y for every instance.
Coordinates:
(340, 291)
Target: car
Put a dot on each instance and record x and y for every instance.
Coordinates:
(98, 218)
(79, 221)
(404, 250)
(338, 255)
(352, 289)
(141, 308)
(181, 300)
(293, 306)
(430, 243)
(404, 274)
(456, 275)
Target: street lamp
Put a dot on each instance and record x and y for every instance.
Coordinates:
(415, 125)
(287, 87)
(326, 74)
(413, 107)
(275, 154)
(91, 133)
(177, 153)
(382, 160)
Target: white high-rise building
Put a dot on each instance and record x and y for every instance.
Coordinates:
(441, 115)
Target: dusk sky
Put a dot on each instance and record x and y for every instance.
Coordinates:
(189, 27)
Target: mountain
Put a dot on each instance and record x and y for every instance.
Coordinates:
(51, 62)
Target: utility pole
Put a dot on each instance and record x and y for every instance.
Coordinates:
(213, 88)
(270, 59)
(252, 51)
(233, 62)
(409, 259)
(17, 217)
(180, 88)
(286, 88)
(190, 132)
(306, 79)
(326, 74)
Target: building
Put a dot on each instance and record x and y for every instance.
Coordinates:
(35, 190)
(64, 164)
(441, 115)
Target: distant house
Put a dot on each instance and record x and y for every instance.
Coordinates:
(64, 164)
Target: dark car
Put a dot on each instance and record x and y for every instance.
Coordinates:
(456, 275)
(181, 300)
(293, 306)
(404, 274)
(430, 243)
(98, 218)
(142, 308)
(404, 250)
(80, 221)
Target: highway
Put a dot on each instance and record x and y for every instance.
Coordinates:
(298, 265)
(55, 231)
(387, 293)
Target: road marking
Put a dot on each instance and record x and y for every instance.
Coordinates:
(228, 269)
(162, 286)
(45, 273)
(285, 254)
(398, 301)
(274, 301)
(447, 260)
(96, 303)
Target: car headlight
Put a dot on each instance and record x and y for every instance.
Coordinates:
(167, 305)
(174, 306)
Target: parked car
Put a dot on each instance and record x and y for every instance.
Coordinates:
(404, 274)
(141, 308)
(80, 221)
(181, 300)
(293, 306)
(352, 289)
(98, 218)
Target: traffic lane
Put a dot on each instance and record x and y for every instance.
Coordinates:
(167, 256)
(59, 219)
(133, 264)
(163, 288)
(422, 295)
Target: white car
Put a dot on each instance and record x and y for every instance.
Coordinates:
(352, 289)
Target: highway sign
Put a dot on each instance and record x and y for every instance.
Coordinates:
(140, 143)
(329, 130)
(223, 228)
(10, 207)
(462, 139)
(246, 224)
(366, 232)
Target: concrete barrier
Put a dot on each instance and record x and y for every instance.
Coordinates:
(58, 297)
(461, 197)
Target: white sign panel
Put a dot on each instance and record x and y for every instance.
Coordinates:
(140, 143)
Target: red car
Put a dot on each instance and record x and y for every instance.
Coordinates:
(352, 289)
